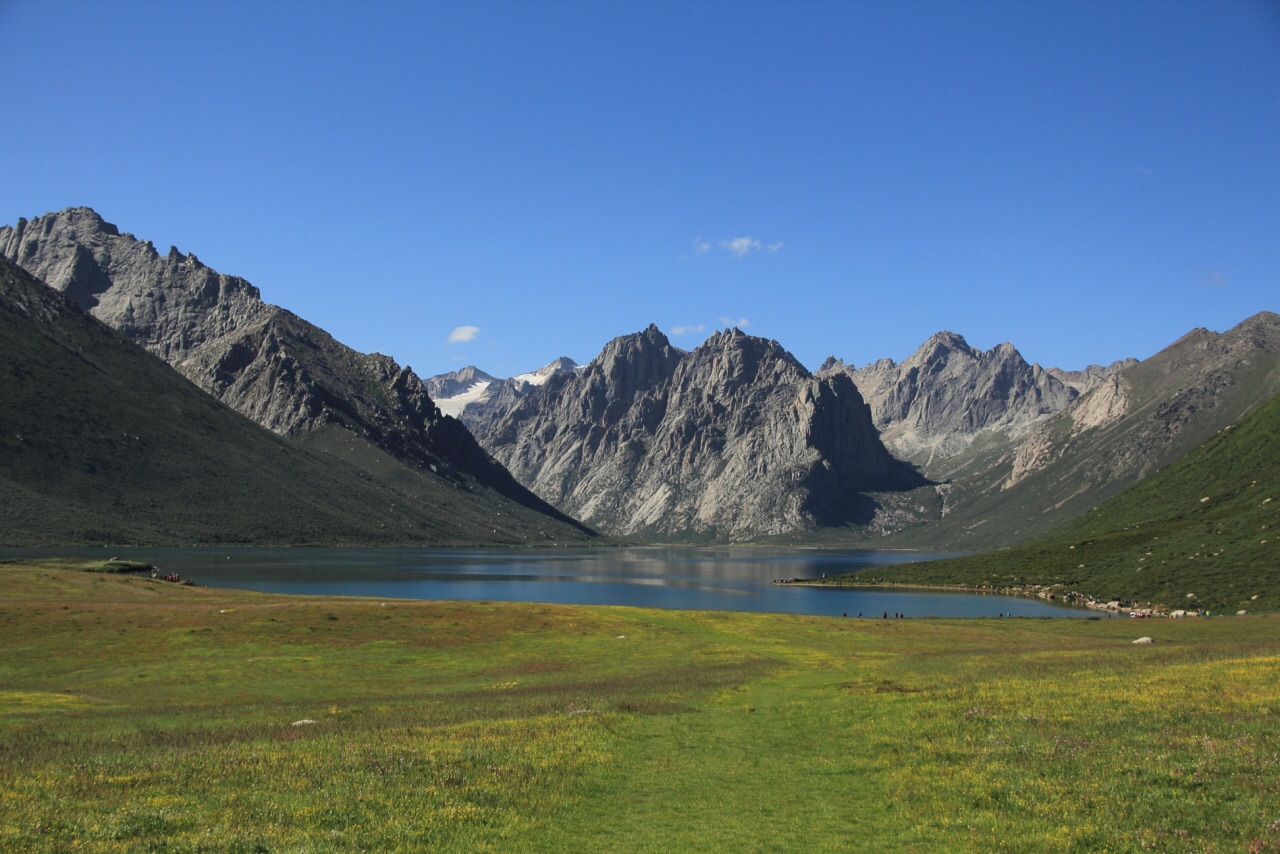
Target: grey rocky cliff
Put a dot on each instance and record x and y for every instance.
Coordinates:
(947, 394)
(1084, 380)
(272, 366)
(1145, 414)
(1126, 427)
(734, 440)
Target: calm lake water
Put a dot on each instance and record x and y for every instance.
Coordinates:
(701, 579)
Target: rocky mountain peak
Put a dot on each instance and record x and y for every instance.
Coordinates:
(944, 341)
(272, 366)
(467, 393)
(558, 366)
(731, 364)
(1138, 416)
(940, 399)
(734, 439)
(1084, 380)
(1261, 330)
(631, 364)
(472, 374)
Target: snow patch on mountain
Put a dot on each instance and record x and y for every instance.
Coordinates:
(475, 393)
(457, 391)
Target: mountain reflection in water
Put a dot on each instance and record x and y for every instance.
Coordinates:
(727, 579)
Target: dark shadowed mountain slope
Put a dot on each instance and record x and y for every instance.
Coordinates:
(734, 440)
(103, 443)
(272, 366)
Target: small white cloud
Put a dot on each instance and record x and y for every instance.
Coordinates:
(464, 333)
(688, 328)
(741, 246)
(701, 247)
(741, 322)
(774, 247)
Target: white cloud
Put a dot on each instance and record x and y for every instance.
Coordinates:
(688, 328)
(741, 246)
(464, 333)
(701, 246)
(741, 322)
(774, 247)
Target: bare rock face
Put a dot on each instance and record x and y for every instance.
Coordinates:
(272, 366)
(1083, 381)
(734, 440)
(171, 304)
(947, 394)
(1144, 415)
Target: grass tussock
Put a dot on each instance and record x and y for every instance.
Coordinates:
(139, 715)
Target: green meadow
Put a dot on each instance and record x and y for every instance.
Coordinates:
(140, 715)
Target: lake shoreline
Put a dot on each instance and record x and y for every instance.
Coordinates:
(672, 578)
(1034, 592)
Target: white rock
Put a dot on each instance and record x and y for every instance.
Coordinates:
(1144, 640)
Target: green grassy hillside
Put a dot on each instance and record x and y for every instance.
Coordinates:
(1208, 525)
(102, 443)
(138, 715)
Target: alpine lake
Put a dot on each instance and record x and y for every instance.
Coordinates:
(724, 579)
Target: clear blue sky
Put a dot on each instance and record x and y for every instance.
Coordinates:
(1086, 180)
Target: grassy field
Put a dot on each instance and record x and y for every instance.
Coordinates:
(143, 715)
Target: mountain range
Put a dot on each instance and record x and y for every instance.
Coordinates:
(1197, 534)
(733, 441)
(999, 449)
(1137, 418)
(279, 371)
(472, 389)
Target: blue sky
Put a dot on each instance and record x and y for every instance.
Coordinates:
(1087, 180)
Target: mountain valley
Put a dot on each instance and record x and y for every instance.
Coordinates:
(734, 441)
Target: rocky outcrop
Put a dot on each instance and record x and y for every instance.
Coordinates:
(1107, 402)
(947, 394)
(466, 393)
(734, 440)
(1083, 381)
(1148, 413)
(1127, 425)
(281, 371)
